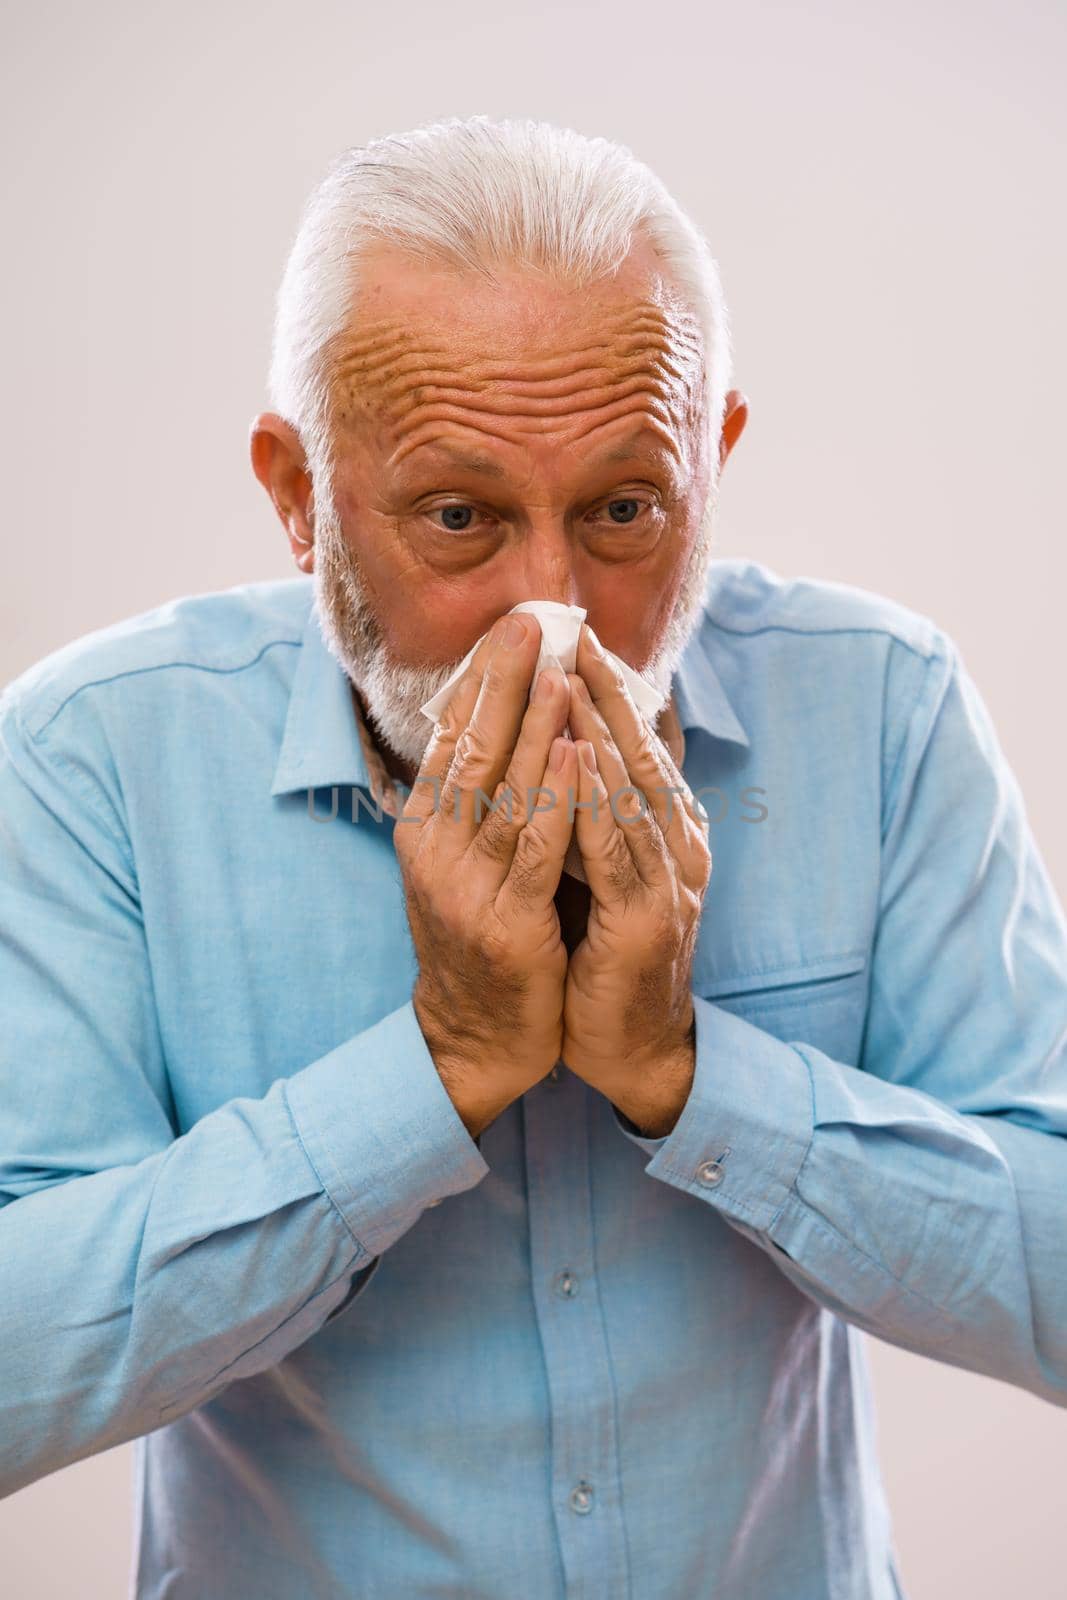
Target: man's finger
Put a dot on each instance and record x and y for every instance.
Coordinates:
(612, 872)
(647, 760)
(629, 807)
(537, 861)
(520, 793)
(484, 747)
(426, 786)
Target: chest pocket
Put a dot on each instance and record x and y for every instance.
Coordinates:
(823, 1002)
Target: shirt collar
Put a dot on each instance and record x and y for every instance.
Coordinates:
(699, 696)
(321, 745)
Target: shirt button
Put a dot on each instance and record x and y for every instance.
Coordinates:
(566, 1285)
(710, 1172)
(582, 1498)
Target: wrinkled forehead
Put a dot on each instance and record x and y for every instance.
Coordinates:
(516, 362)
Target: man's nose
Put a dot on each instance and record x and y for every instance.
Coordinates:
(545, 564)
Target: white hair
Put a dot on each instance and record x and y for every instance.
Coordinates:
(474, 192)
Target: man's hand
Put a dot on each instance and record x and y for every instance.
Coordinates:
(479, 882)
(628, 1007)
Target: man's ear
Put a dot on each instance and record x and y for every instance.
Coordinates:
(733, 422)
(279, 463)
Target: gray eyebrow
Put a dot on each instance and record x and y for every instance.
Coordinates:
(491, 469)
(621, 452)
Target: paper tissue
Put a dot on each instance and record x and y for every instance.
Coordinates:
(560, 626)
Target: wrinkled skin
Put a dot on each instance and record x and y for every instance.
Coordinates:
(498, 442)
(479, 884)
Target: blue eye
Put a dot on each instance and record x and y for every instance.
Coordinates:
(635, 504)
(458, 512)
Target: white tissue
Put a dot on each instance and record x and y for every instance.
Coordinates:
(560, 626)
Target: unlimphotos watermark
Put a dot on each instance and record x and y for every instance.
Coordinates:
(539, 798)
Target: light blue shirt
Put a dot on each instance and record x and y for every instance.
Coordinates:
(365, 1355)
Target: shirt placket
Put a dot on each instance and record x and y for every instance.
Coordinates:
(585, 1469)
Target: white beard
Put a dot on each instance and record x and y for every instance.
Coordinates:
(393, 692)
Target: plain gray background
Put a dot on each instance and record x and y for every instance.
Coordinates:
(882, 186)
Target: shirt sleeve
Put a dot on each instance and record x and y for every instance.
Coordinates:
(141, 1269)
(920, 1194)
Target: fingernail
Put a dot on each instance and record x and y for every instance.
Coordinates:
(509, 632)
(582, 689)
(543, 686)
(588, 755)
(557, 754)
(598, 648)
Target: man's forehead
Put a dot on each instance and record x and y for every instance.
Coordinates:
(386, 348)
(410, 314)
(515, 360)
(547, 363)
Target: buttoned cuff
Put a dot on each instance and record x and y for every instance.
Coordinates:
(381, 1131)
(747, 1125)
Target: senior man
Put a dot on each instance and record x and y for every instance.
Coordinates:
(440, 1221)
